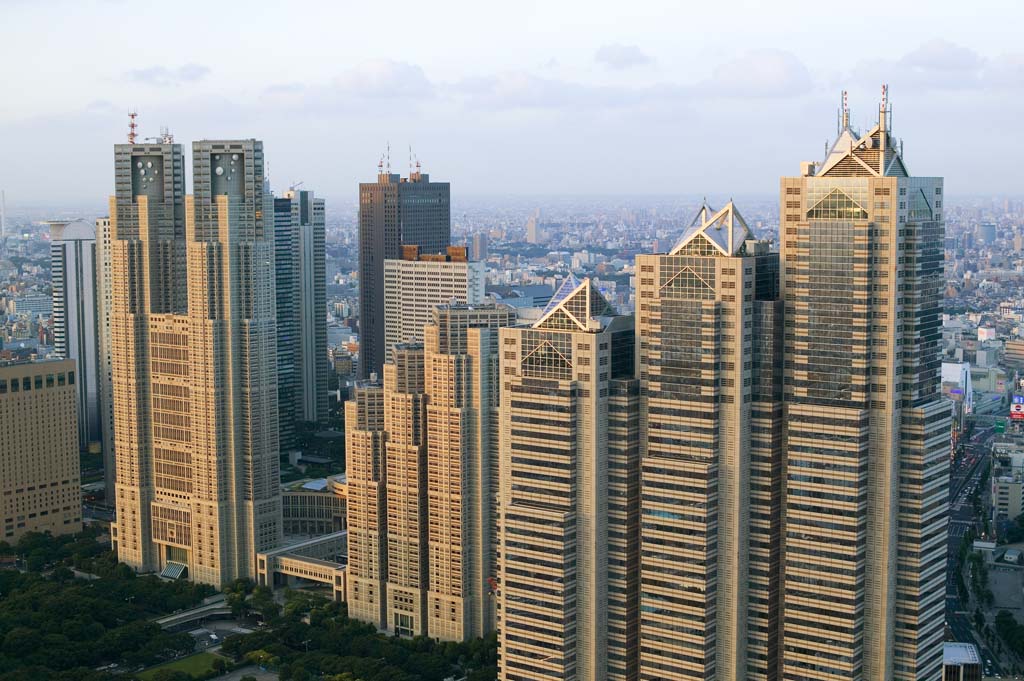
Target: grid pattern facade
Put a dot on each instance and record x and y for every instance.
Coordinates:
(365, 440)
(565, 554)
(104, 307)
(405, 420)
(708, 487)
(40, 474)
(74, 269)
(194, 367)
(394, 212)
(461, 348)
(867, 432)
(301, 308)
(413, 288)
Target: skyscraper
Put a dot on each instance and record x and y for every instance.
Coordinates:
(567, 575)
(40, 475)
(709, 324)
(422, 475)
(104, 304)
(301, 307)
(76, 327)
(415, 284)
(365, 441)
(478, 249)
(405, 420)
(867, 445)
(393, 212)
(194, 365)
(461, 351)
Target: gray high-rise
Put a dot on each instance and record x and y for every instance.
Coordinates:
(76, 329)
(393, 212)
(301, 303)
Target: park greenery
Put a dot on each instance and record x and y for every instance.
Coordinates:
(56, 625)
(312, 638)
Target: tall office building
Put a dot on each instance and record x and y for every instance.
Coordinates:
(39, 439)
(422, 475)
(709, 325)
(393, 212)
(461, 353)
(405, 420)
(76, 323)
(567, 551)
(194, 361)
(104, 306)
(365, 441)
(478, 247)
(867, 444)
(301, 305)
(417, 283)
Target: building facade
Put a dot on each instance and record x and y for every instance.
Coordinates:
(365, 442)
(301, 308)
(39, 439)
(567, 567)
(709, 345)
(415, 284)
(76, 319)
(104, 298)
(194, 365)
(394, 211)
(461, 356)
(867, 430)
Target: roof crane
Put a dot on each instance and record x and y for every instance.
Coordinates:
(295, 185)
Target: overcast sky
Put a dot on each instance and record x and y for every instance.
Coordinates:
(522, 97)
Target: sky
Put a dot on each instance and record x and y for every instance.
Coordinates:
(562, 97)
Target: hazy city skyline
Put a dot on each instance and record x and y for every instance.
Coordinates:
(530, 99)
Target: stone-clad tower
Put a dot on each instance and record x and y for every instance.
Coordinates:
(193, 361)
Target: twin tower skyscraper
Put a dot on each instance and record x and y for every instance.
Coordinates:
(199, 304)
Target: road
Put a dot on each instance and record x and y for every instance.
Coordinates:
(964, 479)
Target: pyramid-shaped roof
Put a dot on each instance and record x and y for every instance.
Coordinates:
(874, 154)
(574, 306)
(725, 230)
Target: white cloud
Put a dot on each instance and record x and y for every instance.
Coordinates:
(759, 73)
(162, 76)
(618, 56)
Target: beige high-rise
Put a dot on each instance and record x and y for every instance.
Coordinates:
(40, 478)
(567, 575)
(365, 440)
(405, 420)
(461, 347)
(709, 324)
(193, 361)
(422, 474)
(867, 443)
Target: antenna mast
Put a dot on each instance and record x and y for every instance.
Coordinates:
(132, 126)
(846, 112)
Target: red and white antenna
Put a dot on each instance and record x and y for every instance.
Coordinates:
(132, 126)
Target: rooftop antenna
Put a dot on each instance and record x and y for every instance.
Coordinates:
(410, 159)
(165, 135)
(132, 126)
(846, 112)
(389, 158)
(380, 165)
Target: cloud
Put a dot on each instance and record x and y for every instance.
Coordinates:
(384, 79)
(941, 65)
(162, 76)
(617, 56)
(759, 73)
